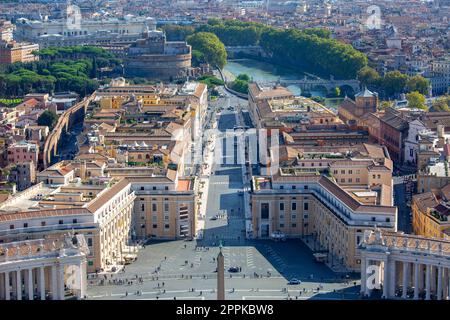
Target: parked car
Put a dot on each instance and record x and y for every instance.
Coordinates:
(233, 269)
(294, 281)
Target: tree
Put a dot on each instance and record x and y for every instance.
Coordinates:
(336, 92)
(212, 49)
(386, 104)
(418, 83)
(442, 104)
(48, 118)
(368, 76)
(416, 100)
(243, 77)
(394, 83)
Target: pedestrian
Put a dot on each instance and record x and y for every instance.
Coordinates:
(126, 293)
(163, 284)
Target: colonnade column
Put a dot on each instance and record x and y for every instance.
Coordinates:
(2, 286)
(60, 282)
(54, 286)
(18, 285)
(363, 275)
(385, 278)
(428, 282)
(42, 282)
(30, 288)
(416, 280)
(83, 280)
(439, 283)
(405, 279)
(7, 293)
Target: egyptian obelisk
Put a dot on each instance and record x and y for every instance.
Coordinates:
(220, 275)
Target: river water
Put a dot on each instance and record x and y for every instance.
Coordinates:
(265, 72)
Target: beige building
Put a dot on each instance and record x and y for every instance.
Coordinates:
(431, 213)
(302, 202)
(99, 209)
(11, 52)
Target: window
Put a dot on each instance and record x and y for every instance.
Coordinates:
(43, 223)
(264, 211)
(89, 242)
(154, 207)
(281, 225)
(142, 188)
(166, 207)
(305, 187)
(294, 187)
(25, 225)
(358, 180)
(154, 188)
(350, 171)
(306, 206)
(294, 206)
(166, 226)
(293, 217)
(342, 171)
(294, 225)
(305, 216)
(388, 219)
(350, 180)
(142, 207)
(155, 226)
(281, 187)
(281, 206)
(74, 221)
(373, 219)
(166, 218)
(11, 226)
(166, 188)
(61, 222)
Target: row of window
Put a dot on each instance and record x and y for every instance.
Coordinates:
(345, 172)
(43, 224)
(154, 188)
(294, 206)
(295, 187)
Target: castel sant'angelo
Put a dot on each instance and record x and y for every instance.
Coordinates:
(154, 57)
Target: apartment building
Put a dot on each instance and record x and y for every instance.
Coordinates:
(11, 52)
(431, 211)
(23, 151)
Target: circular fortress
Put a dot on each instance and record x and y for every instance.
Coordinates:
(155, 58)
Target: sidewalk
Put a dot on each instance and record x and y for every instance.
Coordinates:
(203, 185)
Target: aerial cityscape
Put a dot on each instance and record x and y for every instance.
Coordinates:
(225, 150)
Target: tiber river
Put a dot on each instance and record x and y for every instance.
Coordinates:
(265, 72)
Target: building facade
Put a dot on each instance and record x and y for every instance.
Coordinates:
(43, 269)
(301, 204)
(11, 52)
(396, 265)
